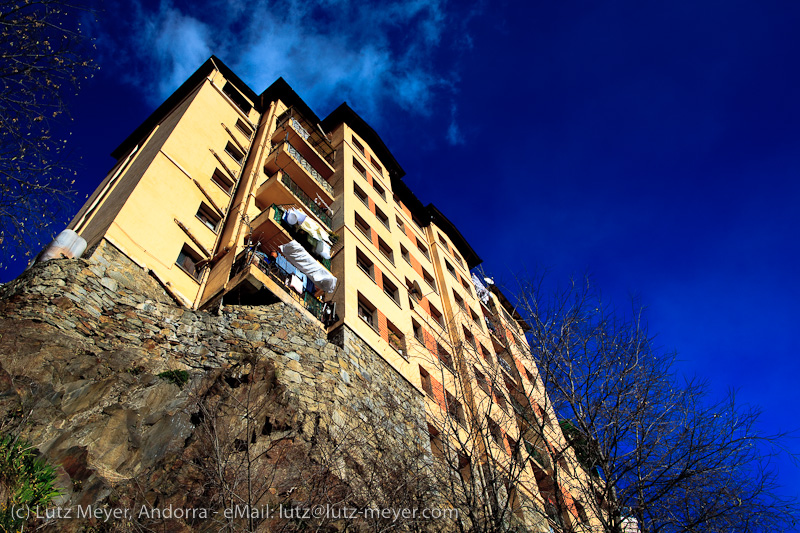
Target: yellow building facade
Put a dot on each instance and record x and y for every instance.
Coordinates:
(227, 196)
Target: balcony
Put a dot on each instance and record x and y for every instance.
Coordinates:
(284, 156)
(308, 141)
(280, 189)
(504, 365)
(493, 325)
(256, 270)
(271, 231)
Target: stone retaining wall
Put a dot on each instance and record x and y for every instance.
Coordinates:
(82, 344)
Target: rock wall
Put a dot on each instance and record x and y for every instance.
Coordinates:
(141, 402)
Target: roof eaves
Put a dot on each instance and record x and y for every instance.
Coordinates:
(344, 114)
(281, 90)
(470, 256)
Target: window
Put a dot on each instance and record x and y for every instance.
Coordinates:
(510, 386)
(475, 317)
(359, 146)
(382, 217)
(465, 284)
(404, 254)
(209, 217)
(581, 512)
(459, 300)
(362, 226)
(429, 280)
(187, 261)
(361, 194)
(376, 165)
(386, 250)
(513, 445)
(501, 400)
(391, 290)
(469, 337)
(361, 170)
(222, 181)
(365, 264)
(436, 315)
(530, 377)
(411, 291)
(400, 224)
(458, 259)
(444, 357)
(234, 152)
(424, 250)
(483, 383)
(437, 447)
(496, 432)
(541, 412)
(379, 189)
(487, 355)
(396, 339)
(450, 268)
(562, 463)
(426, 381)
(454, 408)
(416, 221)
(442, 239)
(244, 128)
(418, 334)
(237, 97)
(366, 311)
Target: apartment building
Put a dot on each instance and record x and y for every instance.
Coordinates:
(228, 196)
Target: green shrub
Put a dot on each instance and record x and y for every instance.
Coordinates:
(178, 377)
(26, 481)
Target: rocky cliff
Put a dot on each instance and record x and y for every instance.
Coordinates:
(189, 416)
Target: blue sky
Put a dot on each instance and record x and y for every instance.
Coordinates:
(653, 145)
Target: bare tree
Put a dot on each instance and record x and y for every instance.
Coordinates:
(42, 57)
(659, 455)
(479, 428)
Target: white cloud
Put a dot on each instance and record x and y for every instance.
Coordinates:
(328, 50)
(454, 135)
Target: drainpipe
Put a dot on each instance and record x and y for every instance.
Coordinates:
(242, 205)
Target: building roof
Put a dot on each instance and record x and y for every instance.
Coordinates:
(438, 218)
(175, 98)
(280, 90)
(344, 114)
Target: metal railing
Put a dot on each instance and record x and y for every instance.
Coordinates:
(297, 156)
(295, 124)
(306, 199)
(504, 365)
(317, 141)
(279, 275)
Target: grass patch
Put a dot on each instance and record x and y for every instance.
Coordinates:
(178, 377)
(26, 481)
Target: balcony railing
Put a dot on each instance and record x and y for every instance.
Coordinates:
(306, 199)
(504, 365)
(295, 124)
(317, 142)
(279, 273)
(297, 156)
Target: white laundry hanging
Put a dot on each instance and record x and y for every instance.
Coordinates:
(302, 260)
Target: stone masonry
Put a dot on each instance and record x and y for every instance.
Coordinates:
(88, 354)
